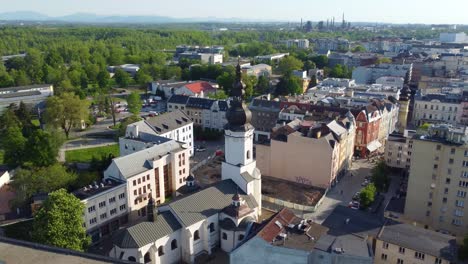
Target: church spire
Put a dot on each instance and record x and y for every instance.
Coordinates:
(238, 114)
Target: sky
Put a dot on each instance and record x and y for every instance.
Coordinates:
(391, 11)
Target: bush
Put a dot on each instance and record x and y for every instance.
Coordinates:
(367, 195)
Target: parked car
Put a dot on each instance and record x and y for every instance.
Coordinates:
(354, 205)
(200, 149)
(356, 196)
(365, 183)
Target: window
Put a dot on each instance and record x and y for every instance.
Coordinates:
(450, 161)
(173, 244)
(449, 171)
(465, 163)
(122, 195)
(134, 182)
(143, 179)
(447, 181)
(458, 212)
(459, 203)
(113, 211)
(160, 251)
(436, 166)
(103, 216)
(402, 250)
(457, 222)
(464, 174)
(444, 200)
(438, 147)
(240, 237)
(211, 227)
(385, 245)
(122, 207)
(135, 192)
(429, 203)
(438, 261)
(224, 236)
(466, 153)
(384, 256)
(91, 209)
(419, 255)
(399, 261)
(102, 204)
(93, 220)
(112, 200)
(248, 154)
(147, 177)
(446, 190)
(428, 213)
(463, 184)
(461, 194)
(196, 235)
(452, 151)
(139, 181)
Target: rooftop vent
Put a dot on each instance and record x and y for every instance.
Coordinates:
(278, 224)
(338, 250)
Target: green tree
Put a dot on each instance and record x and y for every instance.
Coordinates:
(289, 85)
(367, 195)
(31, 180)
(309, 64)
(358, 48)
(66, 112)
(127, 121)
(289, 64)
(263, 85)
(226, 80)
(5, 79)
(250, 82)
(383, 60)
(13, 143)
(59, 222)
(380, 176)
(463, 250)
(143, 78)
(103, 79)
(220, 95)
(320, 61)
(122, 78)
(43, 147)
(20, 77)
(134, 103)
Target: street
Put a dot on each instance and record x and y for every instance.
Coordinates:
(210, 146)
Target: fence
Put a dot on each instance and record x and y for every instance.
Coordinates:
(294, 206)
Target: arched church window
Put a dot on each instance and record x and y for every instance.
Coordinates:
(160, 251)
(132, 258)
(196, 235)
(211, 227)
(174, 244)
(224, 236)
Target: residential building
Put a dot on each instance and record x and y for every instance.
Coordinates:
(297, 43)
(398, 149)
(367, 130)
(32, 95)
(264, 116)
(177, 102)
(338, 82)
(257, 70)
(274, 58)
(369, 74)
(338, 44)
(159, 170)
(218, 215)
(404, 102)
(139, 136)
(169, 88)
(438, 179)
(106, 207)
(211, 58)
(174, 125)
(463, 114)
(293, 148)
(352, 60)
(437, 108)
(391, 81)
(405, 243)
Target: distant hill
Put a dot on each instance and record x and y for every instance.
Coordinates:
(93, 18)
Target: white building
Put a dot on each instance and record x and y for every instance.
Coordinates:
(32, 95)
(298, 43)
(139, 136)
(196, 223)
(398, 149)
(197, 88)
(131, 69)
(159, 170)
(369, 74)
(391, 81)
(453, 37)
(174, 125)
(436, 108)
(338, 82)
(106, 207)
(257, 70)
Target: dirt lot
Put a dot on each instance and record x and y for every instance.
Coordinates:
(284, 190)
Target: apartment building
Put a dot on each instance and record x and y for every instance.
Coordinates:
(174, 125)
(139, 136)
(406, 244)
(398, 149)
(158, 170)
(297, 43)
(438, 179)
(264, 116)
(369, 74)
(437, 108)
(106, 207)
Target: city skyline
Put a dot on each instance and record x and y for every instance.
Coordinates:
(398, 11)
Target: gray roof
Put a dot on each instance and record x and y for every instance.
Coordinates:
(178, 99)
(27, 87)
(169, 121)
(147, 232)
(201, 103)
(137, 162)
(420, 239)
(207, 202)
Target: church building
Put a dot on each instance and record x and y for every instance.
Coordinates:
(218, 216)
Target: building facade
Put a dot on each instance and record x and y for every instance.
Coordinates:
(436, 108)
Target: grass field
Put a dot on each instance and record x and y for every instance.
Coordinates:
(85, 155)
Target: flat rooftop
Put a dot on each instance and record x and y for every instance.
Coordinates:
(97, 188)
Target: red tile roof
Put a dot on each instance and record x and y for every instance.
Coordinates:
(197, 87)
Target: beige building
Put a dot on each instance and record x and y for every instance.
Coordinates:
(309, 153)
(438, 180)
(407, 244)
(398, 149)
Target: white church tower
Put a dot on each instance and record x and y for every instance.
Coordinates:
(240, 166)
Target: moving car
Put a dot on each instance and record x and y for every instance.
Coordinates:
(354, 205)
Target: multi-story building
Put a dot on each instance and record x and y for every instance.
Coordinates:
(297, 43)
(338, 44)
(211, 58)
(170, 88)
(264, 116)
(405, 243)
(398, 149)
(257, 70)
(367, 130)
(437, 108)
(106, 207)
(453, 37)
(174, 125)
(32, 95)
(177, 102)
(139, 136)
(463, 114)
(293, 148)
(438, 179)
(159, 170)
(369, 74)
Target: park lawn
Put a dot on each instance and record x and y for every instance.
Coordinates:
(86, 155)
